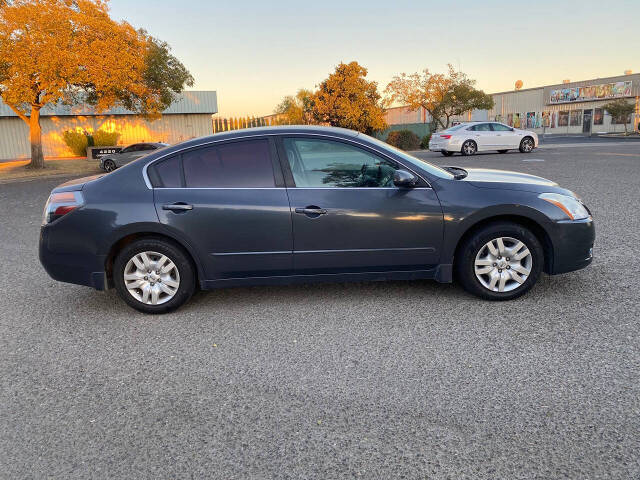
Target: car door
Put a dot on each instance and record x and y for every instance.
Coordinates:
(229, 202)
(505, 136)
(482, 134)
(349, 217)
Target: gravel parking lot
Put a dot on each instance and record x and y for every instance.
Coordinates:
(368, 380)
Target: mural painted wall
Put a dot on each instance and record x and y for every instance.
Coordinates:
(592, 92)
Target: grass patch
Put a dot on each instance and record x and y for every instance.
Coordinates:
(10, 171)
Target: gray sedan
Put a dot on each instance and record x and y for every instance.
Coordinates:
(110, 162)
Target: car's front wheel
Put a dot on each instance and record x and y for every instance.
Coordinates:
(154, 275)
(501, 261)
(469, 148)
(109, 166)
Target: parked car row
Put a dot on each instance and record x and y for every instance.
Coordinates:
(306, 204)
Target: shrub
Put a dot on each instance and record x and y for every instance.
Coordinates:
(425, 141)
(77, 142)
(404, 139)
(105, 139)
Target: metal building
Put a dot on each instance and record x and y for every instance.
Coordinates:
(188, 117)
(565, 108)
(568, 108)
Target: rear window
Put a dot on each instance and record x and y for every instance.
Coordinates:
(166, 173)
(454, 128)
(245, 164)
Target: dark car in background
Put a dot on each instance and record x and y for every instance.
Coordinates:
(110, 162)
(306, 204)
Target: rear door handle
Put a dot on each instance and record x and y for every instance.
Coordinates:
(312, 211)
(178, 207)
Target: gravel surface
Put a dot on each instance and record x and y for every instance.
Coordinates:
(366, 380)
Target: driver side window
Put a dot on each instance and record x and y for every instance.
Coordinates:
(327, 163)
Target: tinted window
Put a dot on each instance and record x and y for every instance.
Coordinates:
(129, 149)
(167, 173)
(454, 128)
(146, 146)
(483, 127)
(498, 127)
(237, 164)
(326, 163)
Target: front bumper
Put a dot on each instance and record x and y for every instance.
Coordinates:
(572, 245)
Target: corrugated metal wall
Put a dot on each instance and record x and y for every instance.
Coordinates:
(537, 101)
(14, 133)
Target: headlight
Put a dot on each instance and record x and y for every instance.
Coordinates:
(573, 207)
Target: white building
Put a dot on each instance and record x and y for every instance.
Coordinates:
(188, 117)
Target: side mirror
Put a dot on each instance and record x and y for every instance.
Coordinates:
(402, 178)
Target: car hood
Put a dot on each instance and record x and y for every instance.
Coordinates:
(502, 179)
(77, 183)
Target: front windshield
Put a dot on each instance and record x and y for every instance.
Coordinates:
(423, 164)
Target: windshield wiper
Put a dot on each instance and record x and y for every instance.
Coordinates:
(458, 172)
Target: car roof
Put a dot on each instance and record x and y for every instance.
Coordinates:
(276, 130)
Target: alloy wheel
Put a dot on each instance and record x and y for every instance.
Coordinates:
(151, 278)
(527, 145)
(469, 148)
(503, 264)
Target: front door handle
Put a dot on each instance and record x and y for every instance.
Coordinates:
(178, 207)
(312, 210)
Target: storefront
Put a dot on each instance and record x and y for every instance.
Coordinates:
(569, 108)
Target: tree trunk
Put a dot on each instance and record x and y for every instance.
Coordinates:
(35, 135)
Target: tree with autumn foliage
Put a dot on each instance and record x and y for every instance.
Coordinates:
(347, 99)
(296, 110)
(442, 95)
(65, 51)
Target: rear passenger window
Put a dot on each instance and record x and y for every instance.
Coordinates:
(167, 173)
(237, 164)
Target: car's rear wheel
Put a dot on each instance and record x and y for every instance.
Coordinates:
(503, 151)
(109, 165)
(154, 275)
(469, 147)
(446, 153)
(527, 145)
(501, 261)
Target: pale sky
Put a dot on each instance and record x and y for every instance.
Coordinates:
(254, 52)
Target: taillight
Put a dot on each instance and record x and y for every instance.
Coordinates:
(446, 136)
(59, 204)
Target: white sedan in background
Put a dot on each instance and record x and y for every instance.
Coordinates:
(471, 137)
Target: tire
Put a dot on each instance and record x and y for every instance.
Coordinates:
(477, 281)
(109, 166)
(154, 248)
(527, 145)
(446, 153)
(503, 151)
(469, 147)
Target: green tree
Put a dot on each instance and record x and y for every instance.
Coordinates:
(347, 99)
(296, 110)
(620, 110)
(442, 95)
(63, 51)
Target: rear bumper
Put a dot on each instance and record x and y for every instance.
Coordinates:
(572, 245)
(77, 268)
